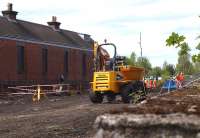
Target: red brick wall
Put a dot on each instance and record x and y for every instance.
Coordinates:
(72, 65)
(8, 60)
(55, 63)
(33, 63)
(33, 60)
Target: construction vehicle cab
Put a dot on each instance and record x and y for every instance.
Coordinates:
(112, 77)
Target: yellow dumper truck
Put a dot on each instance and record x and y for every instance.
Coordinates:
(112, 77)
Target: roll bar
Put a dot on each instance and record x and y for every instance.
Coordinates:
(115, 51)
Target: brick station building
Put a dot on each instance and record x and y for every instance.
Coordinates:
(32, 53)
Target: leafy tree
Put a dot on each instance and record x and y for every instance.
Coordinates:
(145, 63)
(184, 49)
(164, 65)
(139, 62)
(198, 46)
(178, 41)
(184, 65)
(156, 72)
(168, 69)
(171, 69)
(165, 73)
(175, 40)
(197, 67)
(133, 59)
(196, 58)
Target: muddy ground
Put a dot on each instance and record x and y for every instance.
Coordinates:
(73, 116)
(55, 116)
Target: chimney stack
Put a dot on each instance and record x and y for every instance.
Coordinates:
(9, 13)
(86, 37)
(54, 24)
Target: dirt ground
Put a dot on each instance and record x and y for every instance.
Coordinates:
(56, 116)
(185, 101)
(73, 116)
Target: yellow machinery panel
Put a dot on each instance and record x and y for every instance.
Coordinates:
(105, 81)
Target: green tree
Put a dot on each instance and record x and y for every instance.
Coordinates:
(145, 63)
(178, 41)
(196, 58)
(168, 69)
(165, 73)
(197, 67)
(198, 46)
(156, 72)
(131, 60)
(185, 49)
(175, 40)
(184, 64)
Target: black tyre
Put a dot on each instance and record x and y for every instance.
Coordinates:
(126, 93)
(139, 92)
(140, 86)
(96, 97)
(111, 97)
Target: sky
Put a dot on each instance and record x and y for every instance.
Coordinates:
(120, 22)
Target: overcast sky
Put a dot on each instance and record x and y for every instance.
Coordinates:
(120, 22)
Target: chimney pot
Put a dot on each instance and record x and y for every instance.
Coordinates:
(9, 13)
(10, 6)
(54, 19)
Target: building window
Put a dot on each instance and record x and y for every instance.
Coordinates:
(44, 60)
(20, 60)
(66, 57)
(84, 65)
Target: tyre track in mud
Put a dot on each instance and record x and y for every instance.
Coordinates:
(68, 116)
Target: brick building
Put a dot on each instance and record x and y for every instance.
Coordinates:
(32, 53)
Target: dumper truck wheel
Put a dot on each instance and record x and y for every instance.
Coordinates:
(126, 93)
(140, 88)
(111, 97)
(96, 97)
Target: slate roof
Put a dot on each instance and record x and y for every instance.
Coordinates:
(33, 31)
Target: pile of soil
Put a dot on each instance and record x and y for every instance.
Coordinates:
(185, 101)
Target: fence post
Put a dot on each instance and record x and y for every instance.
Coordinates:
(38, 93)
